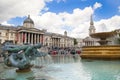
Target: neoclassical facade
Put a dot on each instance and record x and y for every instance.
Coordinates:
(31, 35)
(7, 33)
(58, 40)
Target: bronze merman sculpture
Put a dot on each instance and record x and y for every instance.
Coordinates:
(21, 56)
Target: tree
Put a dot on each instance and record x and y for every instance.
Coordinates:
(75, 42)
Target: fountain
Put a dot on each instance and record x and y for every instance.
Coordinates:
(104, 51)
(103, 37)
(63, 67)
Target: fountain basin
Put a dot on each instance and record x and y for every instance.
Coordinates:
(109, 52)
(103, 37)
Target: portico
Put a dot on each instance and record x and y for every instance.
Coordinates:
(30, 36)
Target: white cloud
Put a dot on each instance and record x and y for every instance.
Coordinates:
(97, 5)
(7, 24)
(75, 23)
(12, 8)
(109, 24)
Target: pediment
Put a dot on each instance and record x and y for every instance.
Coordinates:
(30, 30)
(33, 29)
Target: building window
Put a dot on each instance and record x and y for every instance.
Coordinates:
(0, 41)
(11, 34)
(46, 39)
(6, 34)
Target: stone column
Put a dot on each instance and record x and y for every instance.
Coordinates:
(37, 38)
(52, 42)
(19, 38)
(22, 38)
(28, 37)
(25, 37)
(41, 38)
(34, 38)
(31, 38)
(59, 43)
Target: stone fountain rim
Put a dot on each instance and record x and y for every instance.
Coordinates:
(102, 34)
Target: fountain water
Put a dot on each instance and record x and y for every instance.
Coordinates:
(39, 68)
(64, 67)
(66, 70)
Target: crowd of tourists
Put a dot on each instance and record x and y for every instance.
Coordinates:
(61, 51)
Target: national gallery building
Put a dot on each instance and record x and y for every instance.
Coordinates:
(28, 34)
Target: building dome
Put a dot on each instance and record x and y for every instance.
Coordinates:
(28, 20)
(65, 33)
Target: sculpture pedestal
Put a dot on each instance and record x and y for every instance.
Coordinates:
(23, 70)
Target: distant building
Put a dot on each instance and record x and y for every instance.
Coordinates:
(8, 33)
(79, 42)
(91, 28)
(28, 34)
(89, 41)
(58, 40)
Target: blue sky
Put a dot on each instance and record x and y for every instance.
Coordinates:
(109, 8)
(41, 10)
(69, 5)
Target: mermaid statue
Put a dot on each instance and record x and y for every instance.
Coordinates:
(20, 56)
